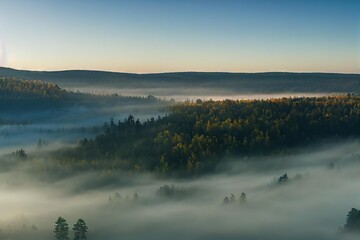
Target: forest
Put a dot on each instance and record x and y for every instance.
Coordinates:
(195, 136)
(119, 161)
(28, 95)
(13, 88)
(165, 156)
(180, 120)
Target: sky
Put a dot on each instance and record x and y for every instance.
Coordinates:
(188, 35)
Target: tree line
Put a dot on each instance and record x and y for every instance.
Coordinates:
(17, 94)
(61, 229)
(14, 88)
(194, 137)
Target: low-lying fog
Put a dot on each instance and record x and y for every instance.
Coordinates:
(65, 126)
(323, 186)
(182, 94)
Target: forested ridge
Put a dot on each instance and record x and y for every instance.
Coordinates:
(244, 83)
(13, 88)
(18, 94)
(194, 137)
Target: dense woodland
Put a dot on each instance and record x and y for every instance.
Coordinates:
(13, 88)
(17, 94)
(195, 137)
(24, 94)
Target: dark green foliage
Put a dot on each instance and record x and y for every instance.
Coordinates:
(28, 95)
(80, 230)
(13, 88)
(23, 94)
(353, 220)
(194, 137)
(61, 229)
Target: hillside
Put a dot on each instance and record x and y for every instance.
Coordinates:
(13, 88)
(194, 137)
(27, 95)
(271, 82)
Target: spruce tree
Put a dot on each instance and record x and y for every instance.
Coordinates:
(61, 229)
(80, 230)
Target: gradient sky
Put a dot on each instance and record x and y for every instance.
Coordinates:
(181, 35)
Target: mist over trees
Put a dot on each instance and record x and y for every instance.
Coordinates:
(158, 155)
(62, 229)
(353, 221)
(80, 230)
(13, 88)
(195, 137)
(28, 95)
(176, 193)
(136, 158)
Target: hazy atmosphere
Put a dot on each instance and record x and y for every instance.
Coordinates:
(162, 36)
(179, 120)
(297, 210)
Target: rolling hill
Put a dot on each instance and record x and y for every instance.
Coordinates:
(270, 82)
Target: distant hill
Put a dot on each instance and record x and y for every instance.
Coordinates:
(11, 88)
(28, 95)
(271, 82)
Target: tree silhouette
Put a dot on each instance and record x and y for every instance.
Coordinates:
(284, 178)
(243, 198)
(21, 154)
(80, 230)
(61, 229)
(353, 220)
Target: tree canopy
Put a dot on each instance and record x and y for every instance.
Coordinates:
(80, 230)
(353, 220)
(61, 229)
(194, 137)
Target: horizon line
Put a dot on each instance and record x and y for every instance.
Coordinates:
(170, 72)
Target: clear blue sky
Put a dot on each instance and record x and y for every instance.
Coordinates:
(181, 35)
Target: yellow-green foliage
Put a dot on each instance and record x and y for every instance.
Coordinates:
(195, 136)
(10, 87)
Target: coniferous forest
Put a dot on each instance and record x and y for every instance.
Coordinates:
(199, 120)
(195, 136)
(133, 154)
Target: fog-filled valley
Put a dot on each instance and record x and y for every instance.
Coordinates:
(311, 204)
(65, 125)
(138, 163)
(35, 110)
(180, 120)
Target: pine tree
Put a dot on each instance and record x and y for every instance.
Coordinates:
(353, 220)
(80, 230)
(61, 229)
